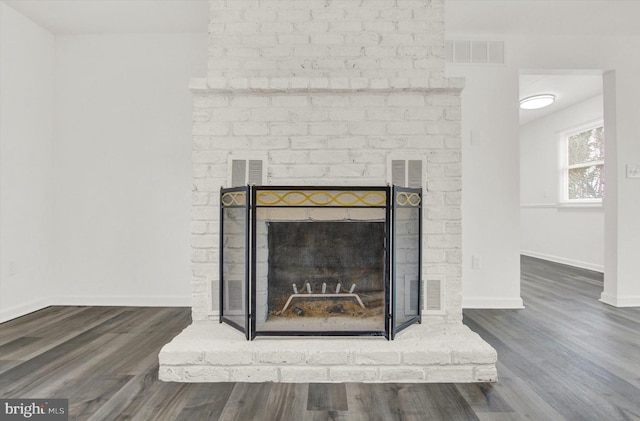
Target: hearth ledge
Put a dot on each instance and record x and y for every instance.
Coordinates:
(208, 351)
(300, 85)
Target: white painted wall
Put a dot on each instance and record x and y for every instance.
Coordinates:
(490, 219)
(622, 197)
(622, 201)
(569, 235)
(123, 168)
(628, 143)
(494, 117)
(26, 121)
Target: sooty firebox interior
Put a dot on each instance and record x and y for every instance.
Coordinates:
(332, 269)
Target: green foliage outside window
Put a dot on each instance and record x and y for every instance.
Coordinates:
(585, 170)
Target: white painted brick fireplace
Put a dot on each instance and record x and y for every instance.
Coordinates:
(329, 92)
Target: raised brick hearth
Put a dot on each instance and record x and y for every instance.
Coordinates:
(213, 352)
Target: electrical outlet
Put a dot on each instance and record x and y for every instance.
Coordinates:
(633, 170)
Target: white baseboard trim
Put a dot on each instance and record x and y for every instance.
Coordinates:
(563, 260)
(14, 312)
(10, 313)
(624, 301)
(124, 301)
(492, 302)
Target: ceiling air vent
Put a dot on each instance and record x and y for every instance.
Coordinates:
(474, 51)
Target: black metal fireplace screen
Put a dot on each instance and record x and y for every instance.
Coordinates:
(302, 261)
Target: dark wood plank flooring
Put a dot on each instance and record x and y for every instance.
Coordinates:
(565, 357)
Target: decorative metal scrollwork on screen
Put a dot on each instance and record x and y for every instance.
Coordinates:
(408, 199)
(234, 198)
(320, 198)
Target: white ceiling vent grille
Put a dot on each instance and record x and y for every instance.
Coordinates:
(475, 51)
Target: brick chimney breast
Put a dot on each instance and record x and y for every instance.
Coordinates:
(332, 93)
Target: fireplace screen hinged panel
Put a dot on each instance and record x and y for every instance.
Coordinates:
(320, 260)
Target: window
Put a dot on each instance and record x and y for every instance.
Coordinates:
(583, 164)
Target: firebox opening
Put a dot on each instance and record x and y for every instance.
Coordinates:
(325, 275)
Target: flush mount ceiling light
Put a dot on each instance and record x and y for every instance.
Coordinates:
(537, 101)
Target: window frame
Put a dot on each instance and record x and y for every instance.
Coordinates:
(564, 167)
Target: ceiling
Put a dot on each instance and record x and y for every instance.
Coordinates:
(569, 89)
(550, 17)
(477, 17)
(595, 17)
(115, 16)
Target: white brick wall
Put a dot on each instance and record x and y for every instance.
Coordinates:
(367, 42)
(324, 138)
(328, 89)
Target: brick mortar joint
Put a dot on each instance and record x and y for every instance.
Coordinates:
(258, 91)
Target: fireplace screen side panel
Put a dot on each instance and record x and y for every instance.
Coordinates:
(234, 259)
(407, 234)
(407, 262)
